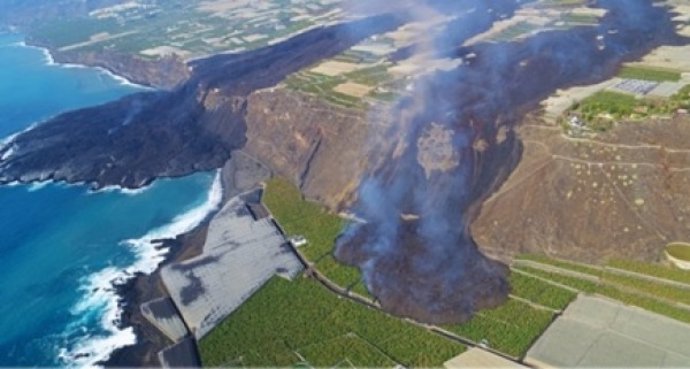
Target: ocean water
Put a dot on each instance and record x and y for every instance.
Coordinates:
(62, 247)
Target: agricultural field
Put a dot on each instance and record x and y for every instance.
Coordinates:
(349, 80)
(660, 289)
(540, 292)
(510, 328)
(654, 270)
(539, 16)
(649, 74)
(298, 216)
(288, 323)
(603, 109)
(189, 29)
(513, 32)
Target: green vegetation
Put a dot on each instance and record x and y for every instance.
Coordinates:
(602, 109)
(285, 319)
(510, 328)
(577, 267)
(649, 74)
(645, 302)
(298, 216)
(372, 76)
(658, 297)
(572, 282)
(580, 18)
(649, 287)
(342, 275)
(194, 28)
(679, 251)
(540, 292)
(348, 350)
(322, 86)
(361, 289)
(655, 270)
(514, 31)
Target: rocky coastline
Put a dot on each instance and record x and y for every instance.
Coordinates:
(239, 174)
(148, 135)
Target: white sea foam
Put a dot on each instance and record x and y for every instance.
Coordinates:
(35, 186)
(49, 60)
(100, 293)
(122, 190)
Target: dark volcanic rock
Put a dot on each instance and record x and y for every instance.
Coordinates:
(455, 147)
(163, 73)
(131, 141)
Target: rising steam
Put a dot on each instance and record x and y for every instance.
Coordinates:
(444, 153)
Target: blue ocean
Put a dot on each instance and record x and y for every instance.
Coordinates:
(63, 246)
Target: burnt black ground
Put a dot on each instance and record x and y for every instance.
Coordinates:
(132, 141)
(430, 269)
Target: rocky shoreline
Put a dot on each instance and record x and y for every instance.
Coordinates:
(163, 73)
(242, 172)
(148, 135)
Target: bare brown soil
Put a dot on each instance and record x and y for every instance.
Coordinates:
(620, 194)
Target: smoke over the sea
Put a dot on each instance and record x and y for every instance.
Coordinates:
(451, 144)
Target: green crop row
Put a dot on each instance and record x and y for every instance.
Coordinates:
(580, 18)
(510, 328)
(540, 292)
(285, 319)
(644, 286)
(373, 76)
(649, 74)
(655, 270)
(564, 264)
(343, 275)
(641, 285)
(573, 282)
(298, 216)
(647, 303)
(348, 350)
(629, 290)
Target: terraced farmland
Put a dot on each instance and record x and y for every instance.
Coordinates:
(187, 28)
(660, 289)
(540, 292)
(510, 328)
(286, 323)
(300, 217)
(654, 270)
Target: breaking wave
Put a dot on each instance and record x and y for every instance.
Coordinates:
(100, 297)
